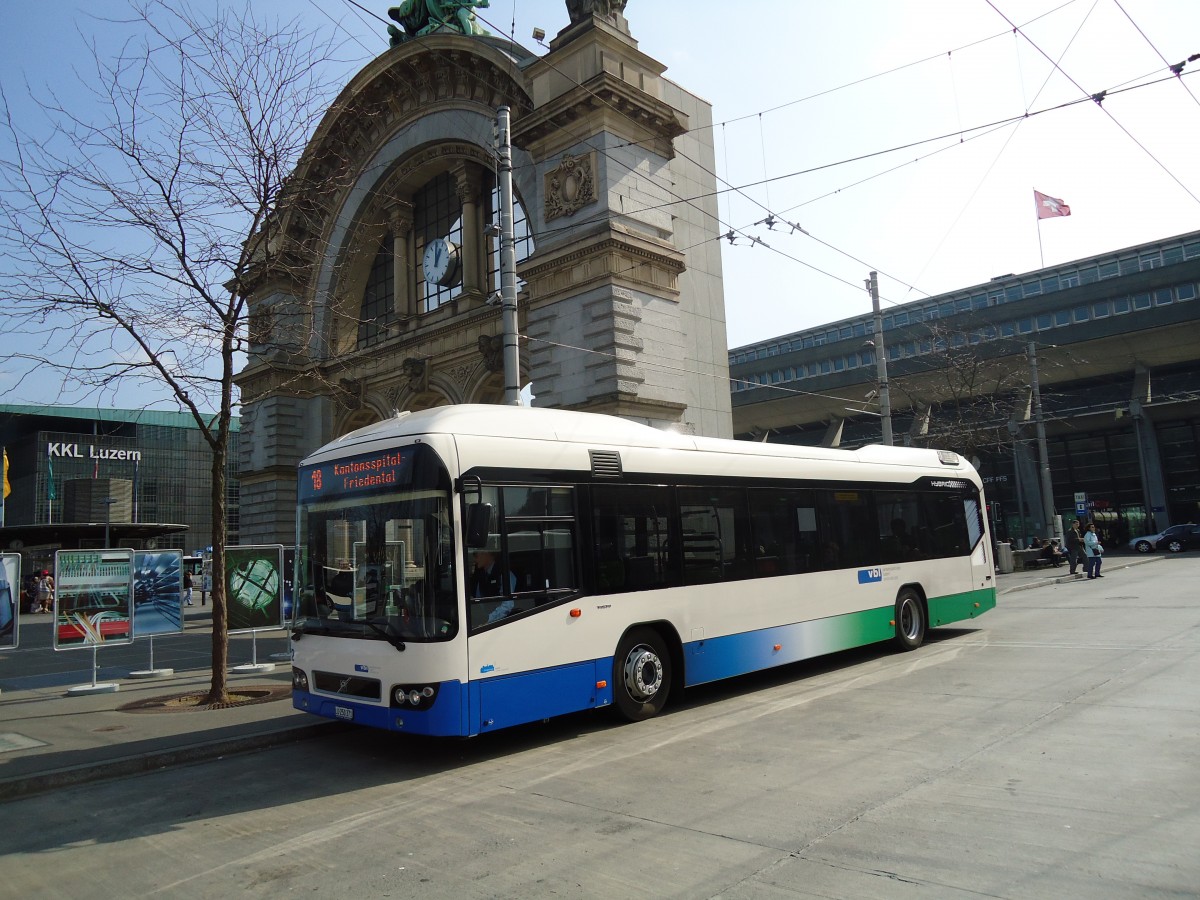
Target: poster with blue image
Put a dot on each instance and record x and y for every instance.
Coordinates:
(157, 593)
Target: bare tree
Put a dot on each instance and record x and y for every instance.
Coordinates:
(962, 393)
(124, 223)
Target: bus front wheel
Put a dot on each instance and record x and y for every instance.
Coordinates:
(641, 675)
(910, 620)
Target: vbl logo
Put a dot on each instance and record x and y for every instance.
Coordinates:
(870, 576)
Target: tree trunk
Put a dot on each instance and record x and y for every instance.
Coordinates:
(218, 690)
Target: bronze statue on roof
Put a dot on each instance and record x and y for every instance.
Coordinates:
(421, 17)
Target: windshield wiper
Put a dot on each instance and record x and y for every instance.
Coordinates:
(392, 639)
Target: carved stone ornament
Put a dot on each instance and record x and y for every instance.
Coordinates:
(417, 373)
(571, 186)
(579, 10)
(352, 393)
(491, 346)
(461, 374)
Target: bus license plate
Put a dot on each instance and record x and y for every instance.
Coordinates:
(344, 712)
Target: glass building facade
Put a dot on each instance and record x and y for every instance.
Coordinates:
(158, 460)
(1117, 340)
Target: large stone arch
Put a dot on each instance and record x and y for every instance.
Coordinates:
(610, 316)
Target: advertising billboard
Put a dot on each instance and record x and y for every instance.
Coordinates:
(254, 587)
(157, 593)
(93, 598)
(10, 598)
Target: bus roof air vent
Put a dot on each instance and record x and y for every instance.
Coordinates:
(605, 463)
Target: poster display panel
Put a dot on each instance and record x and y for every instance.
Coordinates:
(10, 599)
(254, 587)
(157, 593)
(93, 598)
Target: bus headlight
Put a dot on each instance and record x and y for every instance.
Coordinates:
(299, 680)
(414, 696)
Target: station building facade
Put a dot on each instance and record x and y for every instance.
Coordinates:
(141, 475)
(379, 287)
(1112, 343)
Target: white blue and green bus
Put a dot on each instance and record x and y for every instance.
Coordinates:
(469, 568)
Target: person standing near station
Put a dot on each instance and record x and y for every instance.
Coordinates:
(1094, 551)
(1074, 541)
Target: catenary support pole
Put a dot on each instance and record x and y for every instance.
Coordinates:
(885, 397)
(508, 264)
(1043, 454)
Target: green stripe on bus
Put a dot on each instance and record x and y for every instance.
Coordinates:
(955, 607)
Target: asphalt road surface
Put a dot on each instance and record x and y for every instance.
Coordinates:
(1049, 750)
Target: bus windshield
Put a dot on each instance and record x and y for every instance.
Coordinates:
(377, 557)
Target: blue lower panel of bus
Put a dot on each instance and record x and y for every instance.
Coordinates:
(738, 654)
(490, 704)
(446, 717)
(531, 696)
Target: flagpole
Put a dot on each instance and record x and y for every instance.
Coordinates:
(50, 488)
(1037, 216)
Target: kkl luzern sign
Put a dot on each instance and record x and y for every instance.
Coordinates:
(72, 451)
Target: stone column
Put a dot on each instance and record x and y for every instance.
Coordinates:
(404, 304)
(469, 185)
(1154, 482)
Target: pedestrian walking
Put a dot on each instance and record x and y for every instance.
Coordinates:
(1074, 546)
(45, 592)
(1094, 551)
(187, 589)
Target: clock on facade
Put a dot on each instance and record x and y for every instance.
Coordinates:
(441, 262)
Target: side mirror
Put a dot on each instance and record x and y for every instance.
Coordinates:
(479, 521)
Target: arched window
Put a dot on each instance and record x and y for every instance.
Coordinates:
(437, 213)
(376, 312)
(440, 219)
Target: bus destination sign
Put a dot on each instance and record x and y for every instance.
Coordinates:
(368, 473)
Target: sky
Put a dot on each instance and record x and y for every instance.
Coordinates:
(901, 137)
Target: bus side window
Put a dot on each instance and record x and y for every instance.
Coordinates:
(631, 530)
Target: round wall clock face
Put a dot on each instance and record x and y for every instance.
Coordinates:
(440, 263)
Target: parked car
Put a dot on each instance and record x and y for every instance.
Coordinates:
(1175, 539)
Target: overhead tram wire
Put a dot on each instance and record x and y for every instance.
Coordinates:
(685, 371)
(742, 231)
(1099, 99)
(867, 78)
(979, 184)
(729, 227)
(1170, 66)
(337, 24)
(984, 130)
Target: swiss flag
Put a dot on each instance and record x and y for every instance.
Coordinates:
(1049, 207)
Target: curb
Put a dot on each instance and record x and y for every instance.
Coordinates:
(1070, 579)
(41, 782)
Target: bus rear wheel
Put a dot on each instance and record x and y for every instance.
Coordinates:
(641, 675)
(910, 620)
